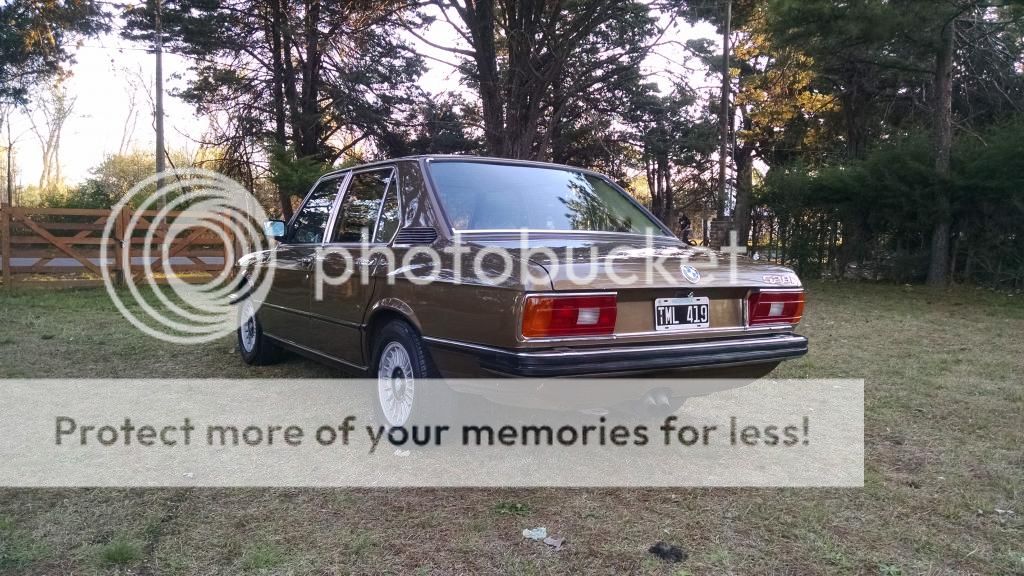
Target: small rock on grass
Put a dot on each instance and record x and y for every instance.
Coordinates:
(668, 552)
(555, 543)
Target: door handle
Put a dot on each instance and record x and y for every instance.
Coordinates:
(306, 260)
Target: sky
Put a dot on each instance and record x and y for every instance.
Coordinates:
(108, 73)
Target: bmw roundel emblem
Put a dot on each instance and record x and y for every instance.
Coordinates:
(690, 273)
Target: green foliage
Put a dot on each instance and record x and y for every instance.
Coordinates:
(444, 128)
(34, 40)
(111, 180)
(262, 557)
(882, 208)
(836, 99)
(298, 73)
(509, 508)
(119, 552)
(988, 199)
(18, 548)
(293, 175)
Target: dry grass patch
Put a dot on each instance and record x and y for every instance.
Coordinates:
(944, 426)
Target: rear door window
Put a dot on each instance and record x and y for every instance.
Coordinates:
(362, 205)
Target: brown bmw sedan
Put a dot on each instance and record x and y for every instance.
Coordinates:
(464, 267)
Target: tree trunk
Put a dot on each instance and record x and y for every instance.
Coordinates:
(291, 94)
(479, 20)
(744, 193)
(280, 119)
(938, 268)
(280, 137)
(536, 42)
(311, 120)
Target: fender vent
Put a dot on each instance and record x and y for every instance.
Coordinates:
(416, 236)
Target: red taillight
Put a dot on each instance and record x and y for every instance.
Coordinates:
(775, 307)
(545, 316)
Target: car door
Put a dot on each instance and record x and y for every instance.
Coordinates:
(285, 311)
(367, 218)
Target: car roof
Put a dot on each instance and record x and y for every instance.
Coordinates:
(462, 157)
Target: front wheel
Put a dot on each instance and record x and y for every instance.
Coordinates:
(256, 348)
(408, 389)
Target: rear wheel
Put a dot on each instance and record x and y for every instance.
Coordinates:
(255, 347)
(408, 390)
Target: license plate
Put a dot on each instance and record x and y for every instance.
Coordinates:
(681, 313)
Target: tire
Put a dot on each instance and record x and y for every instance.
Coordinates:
(256, 349)
(400, 365)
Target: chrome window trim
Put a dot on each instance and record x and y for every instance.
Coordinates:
(392, 186)
(342, 190)
(628, 336)
(552, 231)
(632, 336)
(597, 351)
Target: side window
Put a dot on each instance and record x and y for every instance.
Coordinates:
(387, 225)
(311, 221)
(358, 212)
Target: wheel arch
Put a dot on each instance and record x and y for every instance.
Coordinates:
(381, 313)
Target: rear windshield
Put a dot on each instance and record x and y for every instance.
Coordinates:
(483, 196)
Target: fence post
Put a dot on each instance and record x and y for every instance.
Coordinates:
(229, 249)
(125, 243)
(116, 268)
(5, 243)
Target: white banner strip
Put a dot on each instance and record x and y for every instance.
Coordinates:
(590, 433)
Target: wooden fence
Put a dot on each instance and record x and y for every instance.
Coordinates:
(51, 246)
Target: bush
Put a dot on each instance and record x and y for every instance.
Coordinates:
(874, 217)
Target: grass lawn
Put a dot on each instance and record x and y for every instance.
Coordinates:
(944, 425)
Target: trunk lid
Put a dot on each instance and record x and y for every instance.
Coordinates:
(641, 270)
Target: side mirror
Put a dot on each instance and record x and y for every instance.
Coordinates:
(274, 229)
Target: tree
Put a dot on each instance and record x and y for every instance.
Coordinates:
(55, 107)
(110, 181)
(901, 55)
(34, 40)
(659, 127)
(532, 61)
(442, 126)
(316, 77)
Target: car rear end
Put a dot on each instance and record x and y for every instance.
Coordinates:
(710, 330)
(625, 296)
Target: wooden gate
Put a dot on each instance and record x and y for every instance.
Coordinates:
(61, 246)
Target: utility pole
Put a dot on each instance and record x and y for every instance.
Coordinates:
(159, 99)
(10, 165)
(724, 145)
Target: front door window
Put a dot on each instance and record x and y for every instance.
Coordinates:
(310, 223)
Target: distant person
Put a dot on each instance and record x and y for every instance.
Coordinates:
(686, 229)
